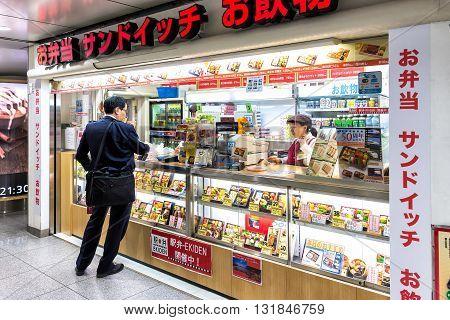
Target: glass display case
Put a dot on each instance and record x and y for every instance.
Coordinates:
(161, 197)
(79, 190)
(342, 237)
(247, 217)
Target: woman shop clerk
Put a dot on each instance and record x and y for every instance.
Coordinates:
(302, 147)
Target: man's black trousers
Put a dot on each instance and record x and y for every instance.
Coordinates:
(118, 223)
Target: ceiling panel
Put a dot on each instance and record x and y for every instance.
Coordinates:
(69, 13)
(13, 62)
(142, 4)
(12, 44)
(29, 30)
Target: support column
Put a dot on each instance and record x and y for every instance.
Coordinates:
(38, 159)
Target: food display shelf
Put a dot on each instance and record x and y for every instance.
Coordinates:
(347, 232)
(157, 225)
(375, 191)
(241, 210)
(160, 194)
(356, 282)
(345, 96)
(327, 110)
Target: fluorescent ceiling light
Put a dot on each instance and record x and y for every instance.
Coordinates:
(5, 28)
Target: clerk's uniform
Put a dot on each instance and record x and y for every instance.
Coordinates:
(300, 151)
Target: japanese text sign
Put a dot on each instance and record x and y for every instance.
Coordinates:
(92, 44)
(241, 14)
(181, 251)
(410, 122)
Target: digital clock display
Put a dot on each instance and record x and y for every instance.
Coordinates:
(13, 184)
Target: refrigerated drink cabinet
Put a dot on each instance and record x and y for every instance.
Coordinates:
(164, 117)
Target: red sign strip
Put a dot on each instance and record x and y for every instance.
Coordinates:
(282, 78)
(207, 84)
(230, 83)
(181, 251)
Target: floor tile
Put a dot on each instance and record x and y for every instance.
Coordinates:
(162, 292)
(27, 286)
(3, 253)
(64, 271)
(115, 287)
(28, 242)
(60, 294)
(11, 266)
(47, 255)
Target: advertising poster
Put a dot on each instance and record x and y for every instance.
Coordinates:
(442, 263)
(247, 268)
(187, 253)
(13, 139)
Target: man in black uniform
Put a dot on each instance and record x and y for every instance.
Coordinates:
(122, 142)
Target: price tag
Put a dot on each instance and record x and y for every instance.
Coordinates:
(199, 107)
(386, 231)
(249, 107)
(179, 223)
(355, 225)
(277, 211)
(318, 218)
(374, 224)
(227, 202)
(305, 213)
(172, 221)
(253, 207)
(338, 222)
(165, 190)
(206, 198)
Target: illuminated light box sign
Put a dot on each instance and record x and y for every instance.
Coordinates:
(93, 44)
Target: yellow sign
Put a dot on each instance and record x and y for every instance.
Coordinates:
(227, 202)
(253, 207)
(206, 198)
(442, 263)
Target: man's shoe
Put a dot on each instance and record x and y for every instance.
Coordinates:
(79, 273)
(115, 269)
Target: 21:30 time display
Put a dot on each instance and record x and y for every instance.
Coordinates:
(11, 191)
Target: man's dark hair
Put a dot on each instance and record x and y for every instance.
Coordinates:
(113, 102)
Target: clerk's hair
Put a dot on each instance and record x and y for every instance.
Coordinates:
(302, 120)
(114, 102)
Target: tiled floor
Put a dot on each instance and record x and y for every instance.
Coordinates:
(43, 269)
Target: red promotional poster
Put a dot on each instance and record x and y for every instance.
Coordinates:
(346, 72)
(247, 268)
(181, 251)
(257, 224)
(312, 75)
(230, 83)
(207, 84)
(282, 78)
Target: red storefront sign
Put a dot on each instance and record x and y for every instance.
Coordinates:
(241, 14)
(181, 251)
(230, 83)
(207, 84)
(282, 78)
(312, 75)
(346, 72)
(92, 44)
